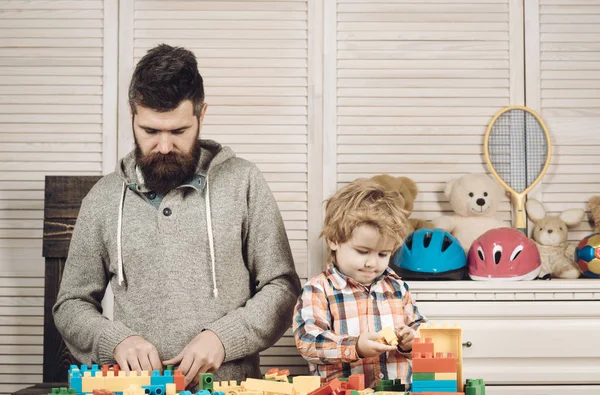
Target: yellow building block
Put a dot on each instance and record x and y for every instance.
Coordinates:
(134, 390)
(388, 336)
(228, 387)
(170, 389)
(274, 387)
(446, 376)
(90, 383)
(305, 384)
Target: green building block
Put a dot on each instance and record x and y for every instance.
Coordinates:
(206, 381)
(423, 376)
(475, 387)
(63, 391)
(343, 379)
(169, 367)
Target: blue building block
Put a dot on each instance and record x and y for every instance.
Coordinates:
(154, 389)
(75, 379)
(218, 393)
(203, 392)
(434, 386)
(157, 379)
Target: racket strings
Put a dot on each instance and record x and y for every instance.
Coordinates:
(517, 148)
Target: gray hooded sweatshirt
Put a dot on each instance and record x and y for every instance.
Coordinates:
(211, 255)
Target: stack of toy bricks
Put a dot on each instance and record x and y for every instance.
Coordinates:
(433, 373)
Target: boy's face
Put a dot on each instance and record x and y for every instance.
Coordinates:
(365, 256)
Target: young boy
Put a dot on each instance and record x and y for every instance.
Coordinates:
(340, 311)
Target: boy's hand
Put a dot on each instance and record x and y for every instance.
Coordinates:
(367, 345)
(406, 336)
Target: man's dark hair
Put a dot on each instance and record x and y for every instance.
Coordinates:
(165, 77)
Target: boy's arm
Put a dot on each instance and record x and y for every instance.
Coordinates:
(315, 340)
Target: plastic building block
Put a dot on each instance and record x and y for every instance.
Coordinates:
(179, 380)
(62, 391)
(134, 389)
(390, 386)
(388, 336)
(446, 339)
(423, 376)
(423, 346)
(356, 382)
(113, 368)
(102, 392)
(475, 387)
(154, 389)
(428, 364)
(75, 379)
(306, 384)
(445, 376)
(170, 389)
(268, 386)
(434, 385)
(333, 387)
(162, 380)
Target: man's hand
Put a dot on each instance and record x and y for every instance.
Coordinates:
(136, 353)
(205, 353)
(367, 345)
(406, 336)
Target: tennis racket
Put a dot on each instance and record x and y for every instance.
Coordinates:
(517, 150)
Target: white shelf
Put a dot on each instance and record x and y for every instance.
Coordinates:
(556, 289)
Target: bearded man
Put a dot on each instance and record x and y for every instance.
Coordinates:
(188, 235)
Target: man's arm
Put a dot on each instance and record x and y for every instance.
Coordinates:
(268, 314)
(90, 336)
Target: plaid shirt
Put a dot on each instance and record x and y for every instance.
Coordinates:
(334, 309)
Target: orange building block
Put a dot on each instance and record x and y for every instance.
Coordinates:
(102, 392)
(423, 346)
(425, 363)
(110, 368)
(333, 387)
(356, 382)
(179, 380)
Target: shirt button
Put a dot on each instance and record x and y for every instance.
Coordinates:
(347, 352)
(167, 211)
(151, 195)
(381, 375)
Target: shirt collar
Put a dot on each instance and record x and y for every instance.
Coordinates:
(341, 281)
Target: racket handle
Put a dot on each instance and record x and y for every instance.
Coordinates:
(521, 221)
(523, 230)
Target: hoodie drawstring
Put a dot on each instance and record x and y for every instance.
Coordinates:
(119, 228)
(211, 242)
(208, 226)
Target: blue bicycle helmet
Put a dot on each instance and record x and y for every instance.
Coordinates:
(430, 254)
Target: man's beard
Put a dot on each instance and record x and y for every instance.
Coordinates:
(165, 172)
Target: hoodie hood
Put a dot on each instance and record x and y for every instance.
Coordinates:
(212, 154)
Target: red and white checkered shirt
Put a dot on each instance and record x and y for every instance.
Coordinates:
(334, 309)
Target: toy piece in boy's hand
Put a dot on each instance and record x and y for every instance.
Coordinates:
(388, 336)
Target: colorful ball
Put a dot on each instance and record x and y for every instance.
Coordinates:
(587, 255)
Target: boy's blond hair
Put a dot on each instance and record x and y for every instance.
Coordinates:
(364, 202)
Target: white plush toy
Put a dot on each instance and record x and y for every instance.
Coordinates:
(550, 234)
(475, 199)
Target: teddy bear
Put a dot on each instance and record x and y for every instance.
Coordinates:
(550, 234)
(474, 198)
(595, 211)
(408, 192)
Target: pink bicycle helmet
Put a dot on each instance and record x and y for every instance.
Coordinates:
(504, 254)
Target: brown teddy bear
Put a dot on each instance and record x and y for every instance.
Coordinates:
(595, 209)
(408, 193)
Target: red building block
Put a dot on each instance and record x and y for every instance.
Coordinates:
(179, 380)
(427, 364)
(423, 347)
(334, 387)
(110, 368)
(356, 382)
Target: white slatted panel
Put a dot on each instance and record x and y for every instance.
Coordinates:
(51, 114)
(417, 84)
(253, 56)
(569, 99)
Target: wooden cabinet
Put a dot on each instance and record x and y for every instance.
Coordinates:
(535, 335)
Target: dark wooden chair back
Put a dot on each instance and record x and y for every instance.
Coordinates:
(62, 200)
